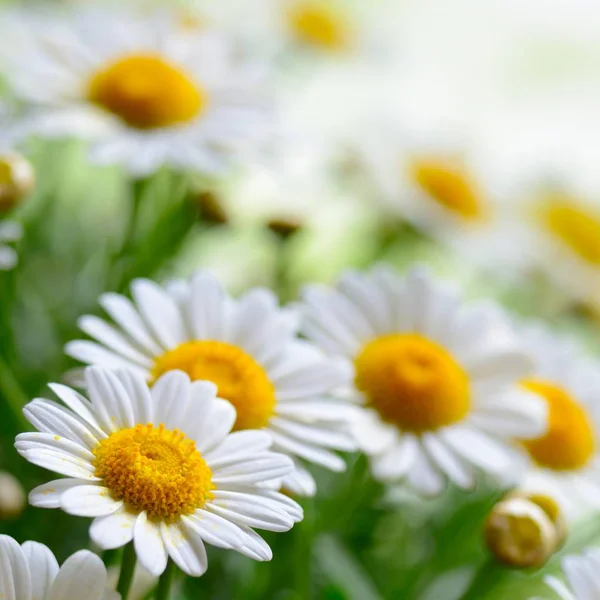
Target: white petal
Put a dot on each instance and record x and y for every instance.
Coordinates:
(79, 404)
(149, 546)
(114, 530)
(43, 565)
(308, 452)
(15, 581)
(397, 460)
(110, 337)
(89, 501)
(425, 478)
(245, 516)
(217, 425)
(110, 400)
(300, 481)
(49, 417)
(48, 495)
(92, 353)
(213, 529)
(254, 512)
(159, 311)
(123, 312)
(171, 399)
(581, 579)
(238, 445)
(445, 459)
(207, 306)
(138, 394)
(33, 441)
(254, 546)
(185, 548)
(323, 435)
(256, 469)
(82, 575)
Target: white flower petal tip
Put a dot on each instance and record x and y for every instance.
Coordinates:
(169, 335)
(414, 344)
(168, 508)
(31, 570)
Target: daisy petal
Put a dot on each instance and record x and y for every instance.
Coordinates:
(43, 564)
(185, 548)
(113, 530)
(149, 546)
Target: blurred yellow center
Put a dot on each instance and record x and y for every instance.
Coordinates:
(316, 24)
(154, 469)
(146, 92)
(449, 186)
(238, 377)
(412, 382)
(576, 227)
(570, 441)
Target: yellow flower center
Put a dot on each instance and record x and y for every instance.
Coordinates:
(316, 24)
(569, 442)
(574, 226)
(450, 186)
(238, 377)
(154, 469)
(146, 92)
(412, 382)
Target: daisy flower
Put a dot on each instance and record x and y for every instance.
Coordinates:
(9, 232)
(566, 458)
(158, 467)
(247, 347)
(436, 379)
(31, 572)
(145, 91)
(581, 573)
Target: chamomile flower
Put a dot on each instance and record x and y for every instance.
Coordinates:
(581, 573)
(10, 231)
(158, 467)
(447, 189)
(247, 347)
(437, 380)
(31, 572)
(566, 458)
(145, 91)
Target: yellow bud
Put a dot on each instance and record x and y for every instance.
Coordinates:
(519, 533)
(17, 179)
(12, 497)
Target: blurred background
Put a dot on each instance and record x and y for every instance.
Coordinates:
(464, 135)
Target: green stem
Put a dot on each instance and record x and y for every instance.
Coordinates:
(13, 394)
(489, 574)
(166, 580)
(127, 570)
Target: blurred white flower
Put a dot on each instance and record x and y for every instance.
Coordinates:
(565, 459)
(145, 90)
(581, 573)
(437, 380)
(31, 572)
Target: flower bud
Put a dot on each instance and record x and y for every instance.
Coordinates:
(17, 179)
(520, 534)
(12, 497)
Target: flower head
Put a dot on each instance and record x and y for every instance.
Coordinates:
(158, 467)
(247, 347)
(30, 572)
(437, 380)
(142, 89)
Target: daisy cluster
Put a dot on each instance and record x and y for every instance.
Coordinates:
(224, 227)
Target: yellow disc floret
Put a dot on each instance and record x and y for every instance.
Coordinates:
(412, 382)
(450, 186)
(569, 442)
(154, 469)
(238, 377)
(146, 92)
(317, 24)
(575, 226)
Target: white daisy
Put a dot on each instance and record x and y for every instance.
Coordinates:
(247, 347)
(9, 232)
(446, 188)
(31, 572)
(144, 90)
(158, 467)
(581, 573)
(566, 459)
(436, 379)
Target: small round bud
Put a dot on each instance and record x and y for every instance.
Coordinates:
(520, 534)
(17, 179)
(12, 497)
